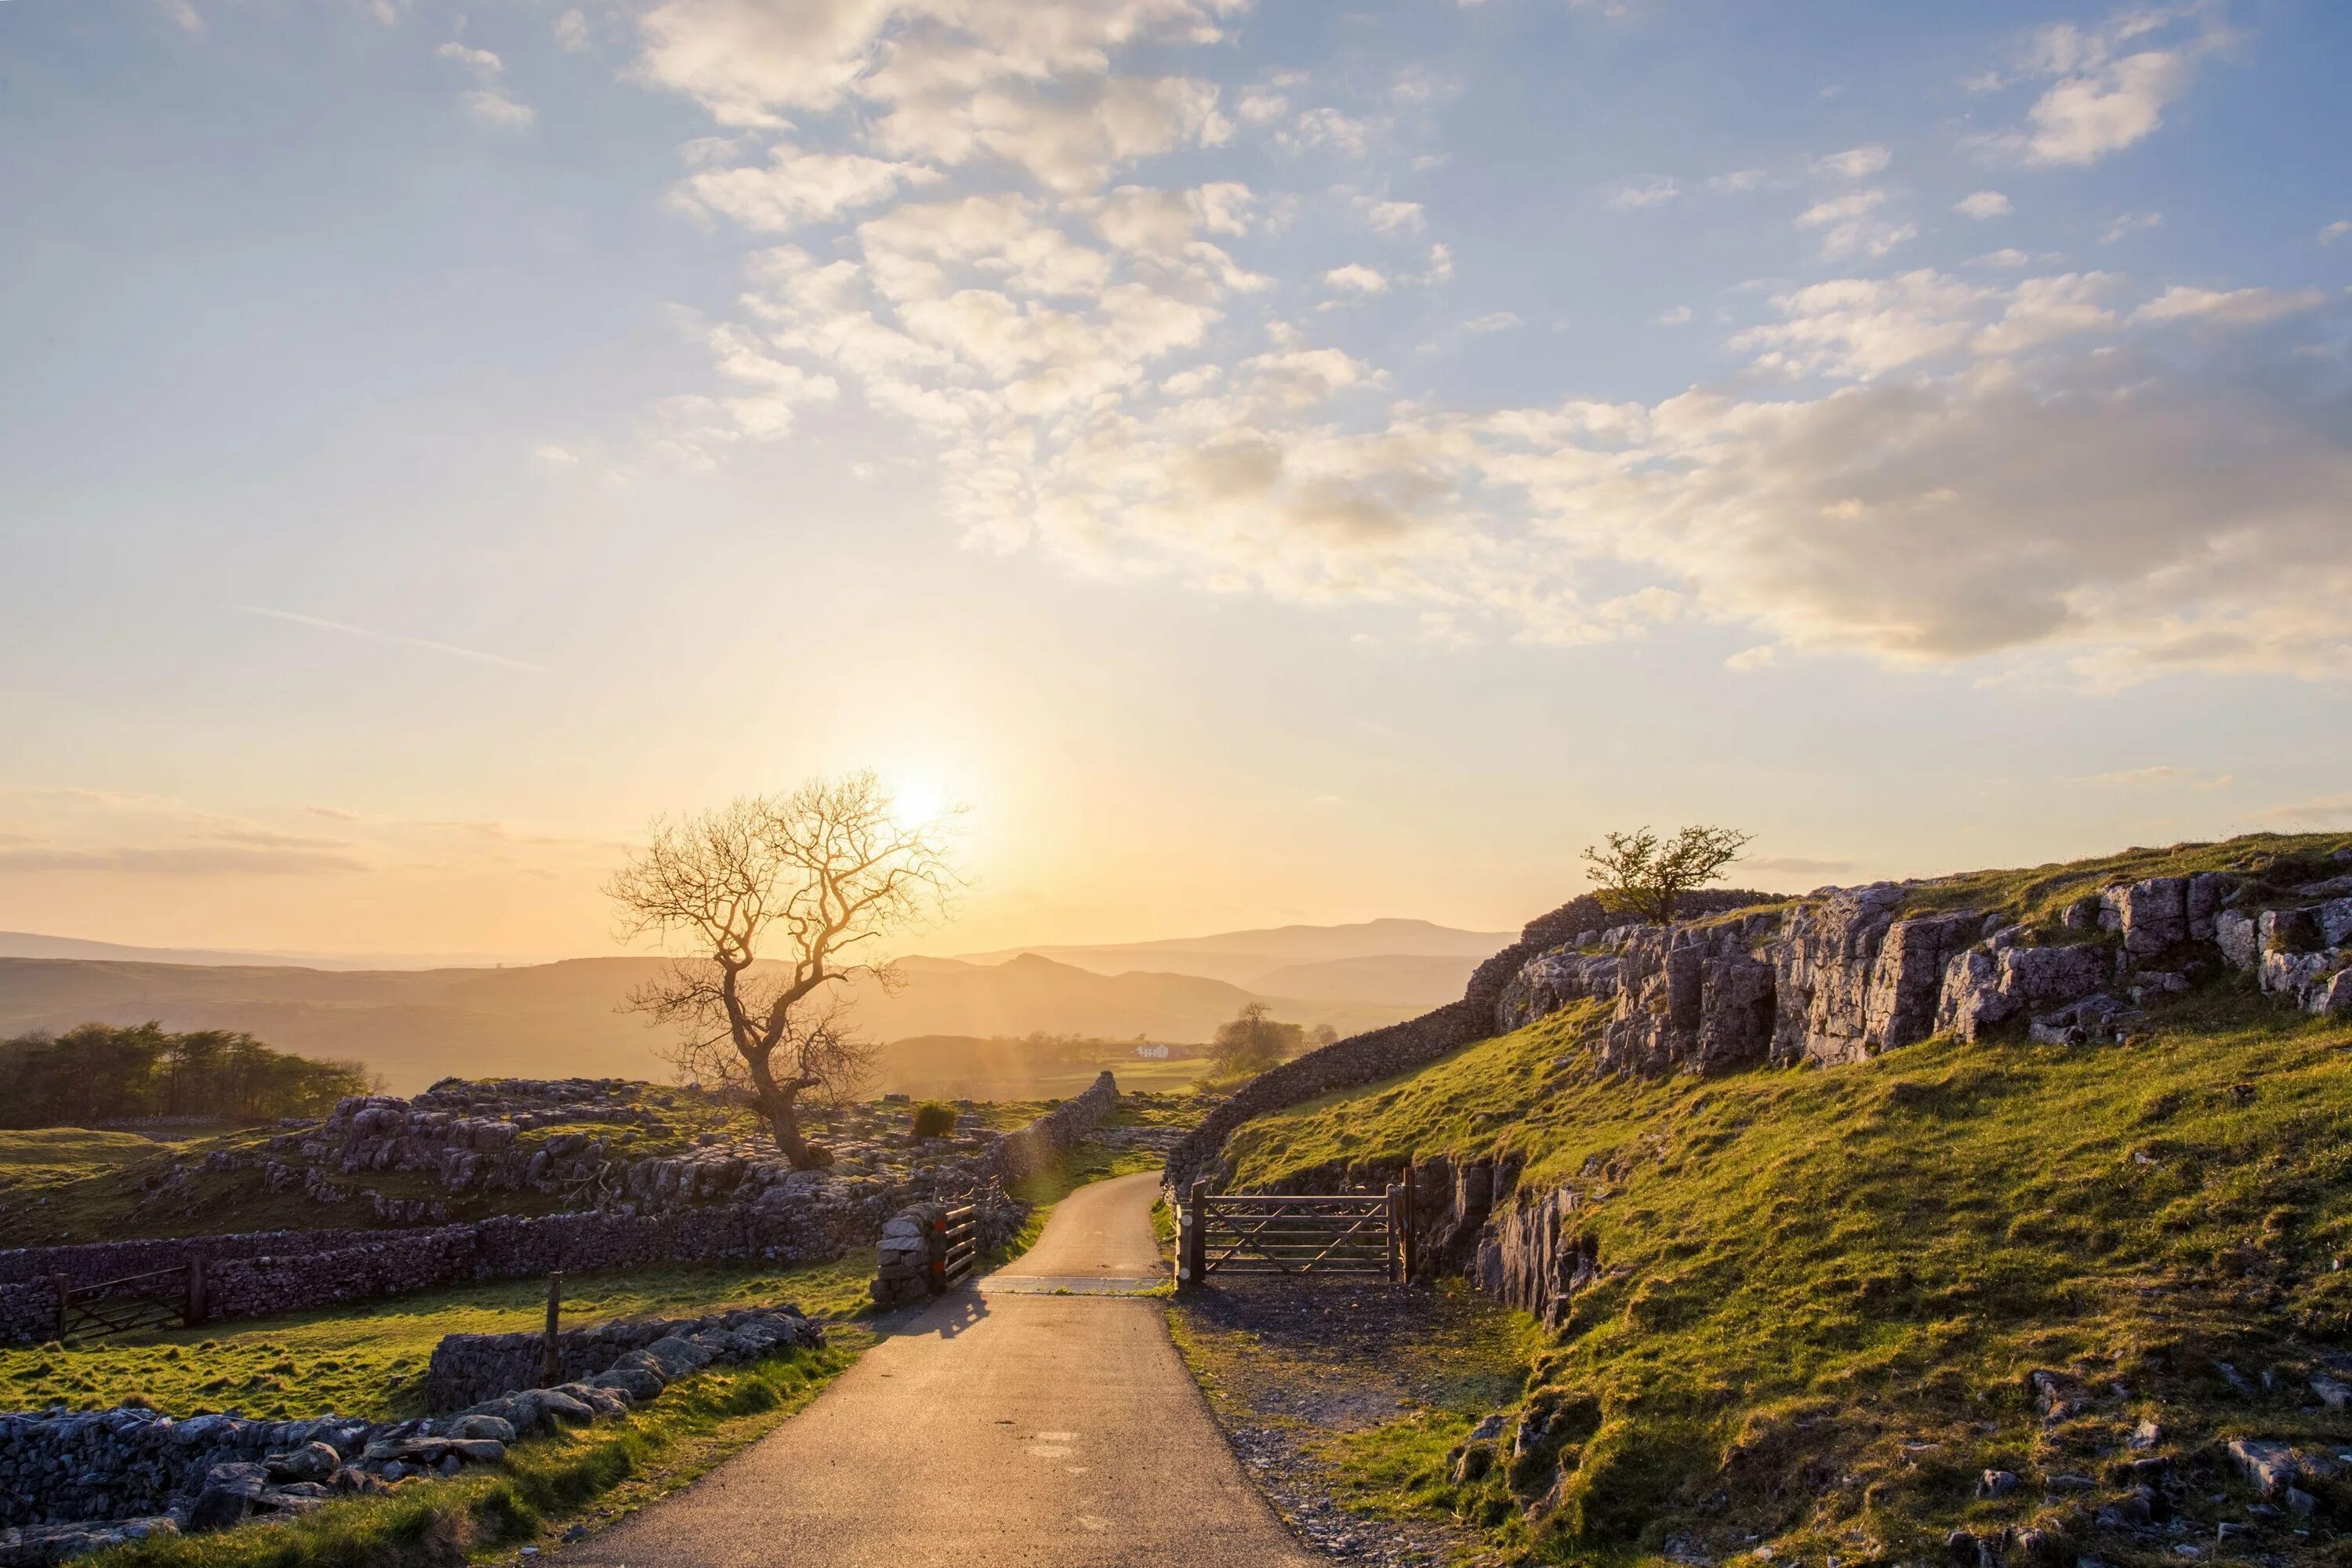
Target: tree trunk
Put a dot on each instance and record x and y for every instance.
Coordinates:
(778, 1110)
(777, 1105)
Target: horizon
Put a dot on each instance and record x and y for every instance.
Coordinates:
(1272, 466)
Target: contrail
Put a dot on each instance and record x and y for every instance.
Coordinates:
(323, 624)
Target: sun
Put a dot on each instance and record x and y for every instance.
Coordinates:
(915, 800)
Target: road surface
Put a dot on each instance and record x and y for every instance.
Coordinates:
(1010, 1427)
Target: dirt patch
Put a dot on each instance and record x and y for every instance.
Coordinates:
(1339, 1399)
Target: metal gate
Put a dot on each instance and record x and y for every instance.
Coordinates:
(1364, 1234)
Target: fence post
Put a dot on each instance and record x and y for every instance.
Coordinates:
(193, 1314)
(1195, 1256)
(57, 1283)
(550, 1360)
(936, 1233)
(1395, 1202)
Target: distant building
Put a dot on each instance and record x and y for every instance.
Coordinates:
(1156, 1053)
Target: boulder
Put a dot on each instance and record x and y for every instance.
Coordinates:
(638, 1383)
(496, 1429)
(2152, 915)
(2269, 1467)
(310, 1462)
(673, 1357)
(1983, 988)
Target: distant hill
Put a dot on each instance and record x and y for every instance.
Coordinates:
(1395, 979)
(1378, 959)
(563, 1020)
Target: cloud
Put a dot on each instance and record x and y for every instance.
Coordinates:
(1635, 195)
(1493, 322)
(490, 103)
(1852, 225)
(2335, 231)
(1737, 181)
(794, 187)
(1327, 130)
(1983, 204)
(2009, 257)
(1864, 328)
(1677, 316)
(1395, 217)
(1355, 279)
(1854, 163)
(2161, 774)
(321, 624)
(2044, 310)
(1764, 656)
(2232, 308)
(572, 31)
(2107, 91)
(187, 860)
(182, 14)
(2129, 224)
(2326, 809)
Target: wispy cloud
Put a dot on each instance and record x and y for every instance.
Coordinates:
(2160, 773)
(319, 622)
(181, 860)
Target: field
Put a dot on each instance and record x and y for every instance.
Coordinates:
(1821, 1292)
(370, 1361)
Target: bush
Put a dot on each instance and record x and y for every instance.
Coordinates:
(933, 1120)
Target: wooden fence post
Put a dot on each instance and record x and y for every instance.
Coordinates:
(193, 1314)
(57, 1283)
(936, 1235)
(550, 1360)
(1193, 1260)
(1395, 1199)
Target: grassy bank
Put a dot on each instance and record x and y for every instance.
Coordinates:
(370, 1360)
(586, 1476)
(1822, 1292)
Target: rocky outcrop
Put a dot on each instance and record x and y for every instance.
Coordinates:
(1532, 1255)
(1691, 999)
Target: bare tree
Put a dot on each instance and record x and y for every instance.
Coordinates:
(1639, 873)
(783, 900)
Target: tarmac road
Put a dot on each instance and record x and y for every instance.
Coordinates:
(1000, 1427)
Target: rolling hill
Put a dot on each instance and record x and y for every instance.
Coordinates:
(1388, 960)
(563, 1020)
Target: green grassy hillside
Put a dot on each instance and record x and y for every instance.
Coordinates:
(1822, 1293)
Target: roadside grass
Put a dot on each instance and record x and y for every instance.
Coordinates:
(589, 1475)
(370, 1360)
(1821, 1291)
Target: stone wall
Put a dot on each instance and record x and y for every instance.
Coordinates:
(786, 1216)
(472, 1369)
(1034, 1147)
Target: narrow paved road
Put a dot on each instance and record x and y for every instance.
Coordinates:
(1013, 1425)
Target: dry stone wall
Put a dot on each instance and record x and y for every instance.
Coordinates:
(471, 1369)
(1035, 1147)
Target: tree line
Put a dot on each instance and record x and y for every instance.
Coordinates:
(102, 1072)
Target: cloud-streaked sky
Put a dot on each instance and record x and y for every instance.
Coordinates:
(1274, 461)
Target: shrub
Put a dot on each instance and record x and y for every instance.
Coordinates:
(933, 1120)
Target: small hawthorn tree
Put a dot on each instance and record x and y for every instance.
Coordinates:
(1641, 873)
(1252, 1041)
(782, 899)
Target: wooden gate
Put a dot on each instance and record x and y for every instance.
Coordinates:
(955, 1245)
(165, 1299)
(1282, 1233)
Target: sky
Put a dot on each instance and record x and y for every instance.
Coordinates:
(1275, 462)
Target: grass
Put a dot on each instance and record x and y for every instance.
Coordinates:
(370, 1361)
(43, 1155)
(1821, 1291)
(589, 1474)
